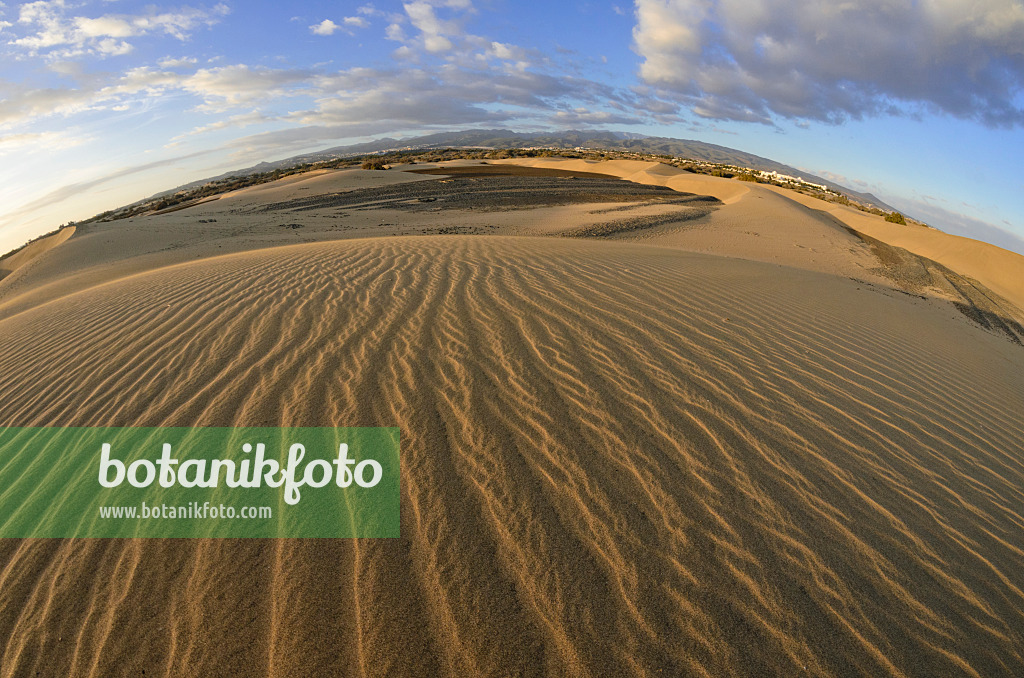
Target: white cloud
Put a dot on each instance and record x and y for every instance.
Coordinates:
(760, 59)
(325, 27)
(220, 89)
(437, 43)
(239, 85)
(112, 47)
(105, 26)
(328, 27)
(235, 121)
(40, 140)
(181, 62)
(138, 81)
(20, 105)
(501, 50)
(433, 30)
(438, 30)
(51, 31)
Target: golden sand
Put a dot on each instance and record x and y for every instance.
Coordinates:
(627, 456)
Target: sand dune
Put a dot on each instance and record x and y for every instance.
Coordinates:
(643, 172)
(619, 458)
(997, 269)
(10, 263)
(1000, 270)
(318, 181)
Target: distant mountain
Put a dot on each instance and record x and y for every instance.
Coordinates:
(569, 139)
(598, 140)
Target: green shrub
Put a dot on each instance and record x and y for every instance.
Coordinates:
(896, 218)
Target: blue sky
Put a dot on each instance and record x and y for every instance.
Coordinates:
(105, 102)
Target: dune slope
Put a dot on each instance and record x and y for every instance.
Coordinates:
(994, 268)
(618, 459)
(12, 261)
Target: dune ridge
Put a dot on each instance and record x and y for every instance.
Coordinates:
(997, 269)
(618, 459)
(12, 261)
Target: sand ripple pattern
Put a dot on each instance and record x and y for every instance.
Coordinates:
(617, 460)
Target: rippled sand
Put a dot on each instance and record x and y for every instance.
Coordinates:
(619, 458)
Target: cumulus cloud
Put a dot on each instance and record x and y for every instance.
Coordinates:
(756, 60)
(328, 27)
(53, 31)
(437, 35)
(325, 27)
(434, 32)
(436, 29)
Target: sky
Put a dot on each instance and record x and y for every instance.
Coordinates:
(921, 102)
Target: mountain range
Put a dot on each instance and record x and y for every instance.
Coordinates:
(568, 139)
